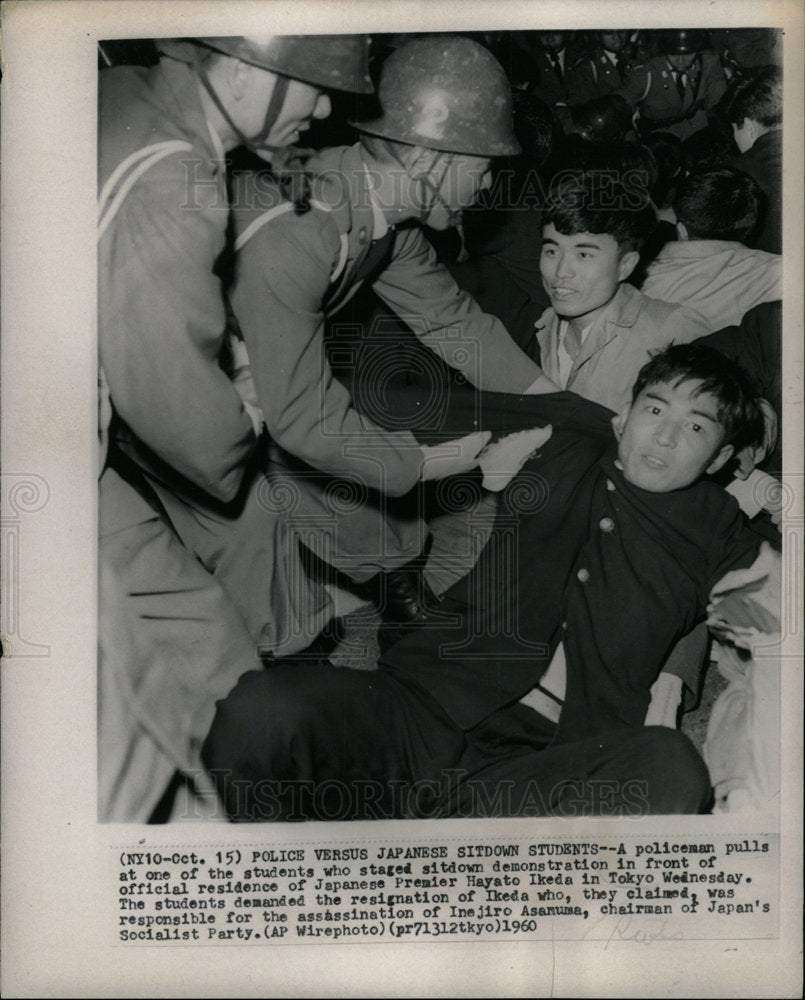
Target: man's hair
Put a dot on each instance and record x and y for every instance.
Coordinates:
(596, 201)
(723, 204)
(758, 97)
(739, 414)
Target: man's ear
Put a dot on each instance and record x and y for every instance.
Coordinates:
(619, 420)
(420, 160)
(237, 77)
(627, 264)
(682, 231)
(721, 459)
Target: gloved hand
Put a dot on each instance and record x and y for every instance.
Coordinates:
(452, 457)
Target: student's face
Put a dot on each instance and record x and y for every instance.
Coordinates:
(462, 181)
(582, 272)
(670, 436)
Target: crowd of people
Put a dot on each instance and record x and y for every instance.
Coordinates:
(335, 271)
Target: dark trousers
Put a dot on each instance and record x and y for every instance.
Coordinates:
(299, 741)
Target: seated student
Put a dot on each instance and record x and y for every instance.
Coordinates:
(604, 553)
(709, 267)
(599, 331)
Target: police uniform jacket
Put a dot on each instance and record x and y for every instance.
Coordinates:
(161, 312)
(296, 270)
(595, 76)
(181, 434)
(652, 88)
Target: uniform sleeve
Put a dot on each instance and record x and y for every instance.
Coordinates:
(636, 84)
(161, 324)
(283, 276)
(449, 321)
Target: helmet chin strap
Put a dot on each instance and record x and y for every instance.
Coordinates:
(453, 216)
(257, 143)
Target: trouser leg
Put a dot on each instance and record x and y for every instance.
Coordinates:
(627, 772)
(310, 741)
(316, 742)
(253, 550)
(170, 643)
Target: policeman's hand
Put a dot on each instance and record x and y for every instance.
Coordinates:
(452, 457)
(750, 457)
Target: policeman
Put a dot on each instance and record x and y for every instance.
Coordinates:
(446, 113)
(605, 69)
(202, 571)
(674, 91)
(541, 64)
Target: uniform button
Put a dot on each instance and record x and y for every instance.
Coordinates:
(362, 234)
(610, 486)
(583, 575)
(606, 524)
(564, 626)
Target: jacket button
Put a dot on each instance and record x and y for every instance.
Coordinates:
(606, 524)
(583, 575)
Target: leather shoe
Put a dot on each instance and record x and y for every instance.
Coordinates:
(406, 597)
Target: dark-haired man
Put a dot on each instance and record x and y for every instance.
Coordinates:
(599, 331)
(710, 268)
(756, 113)
(613, 547)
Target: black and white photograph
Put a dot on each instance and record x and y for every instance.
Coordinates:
(438, 519)
(388, 492)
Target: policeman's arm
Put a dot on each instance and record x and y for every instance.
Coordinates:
(283, 278)
(450, 322)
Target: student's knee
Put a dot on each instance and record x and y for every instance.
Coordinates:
(252, 725)
(677, 777)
